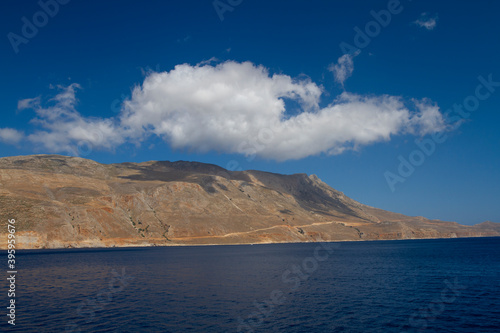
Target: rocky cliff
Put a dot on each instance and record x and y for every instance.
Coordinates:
(60, 201)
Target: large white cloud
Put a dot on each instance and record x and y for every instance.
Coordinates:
(235, 108)
(214, 108)
(239, 108)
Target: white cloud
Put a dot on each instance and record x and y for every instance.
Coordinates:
(235, 108)
(426, 21)
(239, 108)
(344, 67)
(65, 130)
(28, 103)
(10, 135)
(428, 120)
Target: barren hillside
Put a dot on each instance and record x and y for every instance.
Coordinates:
(60, 201)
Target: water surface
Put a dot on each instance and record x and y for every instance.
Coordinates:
(449, 285)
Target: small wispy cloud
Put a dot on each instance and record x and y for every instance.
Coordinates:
(61, 128)
(344, 67)
(28, 103)
(209, 61)
(184, 40)
(427, 21)
(10, 135)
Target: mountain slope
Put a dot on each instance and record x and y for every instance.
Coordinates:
(60, 201)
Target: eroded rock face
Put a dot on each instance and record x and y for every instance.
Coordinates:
(60, 201)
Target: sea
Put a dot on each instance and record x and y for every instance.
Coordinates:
(434, 285)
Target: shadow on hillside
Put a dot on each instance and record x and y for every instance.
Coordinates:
(181, 171)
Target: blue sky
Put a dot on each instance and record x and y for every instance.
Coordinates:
(266, 85)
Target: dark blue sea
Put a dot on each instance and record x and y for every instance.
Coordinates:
(447, 285)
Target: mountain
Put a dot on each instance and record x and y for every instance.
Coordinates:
(61, 202)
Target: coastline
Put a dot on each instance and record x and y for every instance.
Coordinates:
(150, 245)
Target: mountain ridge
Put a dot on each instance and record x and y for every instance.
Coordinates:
(61, 201)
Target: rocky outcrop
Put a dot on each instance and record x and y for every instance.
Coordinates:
(60, 201)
